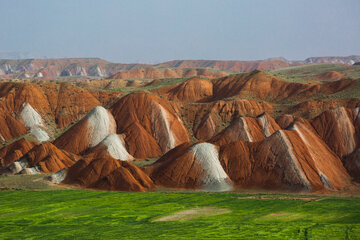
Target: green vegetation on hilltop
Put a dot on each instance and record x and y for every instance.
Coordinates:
(160, 83)
(69, 214)
(308, 72)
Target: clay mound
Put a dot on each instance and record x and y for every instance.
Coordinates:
(332, 75)
(10, 128)
(112, 146)
(243, 128)
(44, 158)
(195, 167)
(213, 116)
(108, 174)
(192, 90)
(247, 129)
(88, 132)
(336, 127)
(295, 160)
(148, 116)
(16, 150)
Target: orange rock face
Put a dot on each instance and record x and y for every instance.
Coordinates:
(49, 159)
(10, 127)
(149, 124)
(337, 128)
(13, 152)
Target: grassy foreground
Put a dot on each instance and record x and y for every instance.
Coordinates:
(69, 214)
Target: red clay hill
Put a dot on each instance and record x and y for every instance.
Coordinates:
(249, 130)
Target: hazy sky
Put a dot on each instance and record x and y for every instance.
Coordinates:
(152, 31)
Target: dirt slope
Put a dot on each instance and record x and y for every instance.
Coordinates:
(108, 174)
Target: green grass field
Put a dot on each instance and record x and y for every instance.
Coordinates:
(70, 214)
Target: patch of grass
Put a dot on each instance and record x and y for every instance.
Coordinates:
(162, 83)
(305, 73)
(147, 161)
(69, 214)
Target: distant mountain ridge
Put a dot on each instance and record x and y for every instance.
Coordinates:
(99, 68)
(341, 60)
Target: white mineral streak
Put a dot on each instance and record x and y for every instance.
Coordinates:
(33, 120)
(295, 166)
(247, 131)
(17, 166)
(215, 178)
(313, 153)
(357, 114)
(40, 134)
(100, 124)
(346, 128)
(30, 117)
(162, 131)
(265, 125)
(30, 171)
(116, 148)
(58, 177)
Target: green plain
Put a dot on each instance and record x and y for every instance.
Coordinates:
(83, 214)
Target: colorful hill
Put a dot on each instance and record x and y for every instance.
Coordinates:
(255, 130)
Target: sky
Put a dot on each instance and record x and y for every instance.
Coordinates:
(153, 31)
